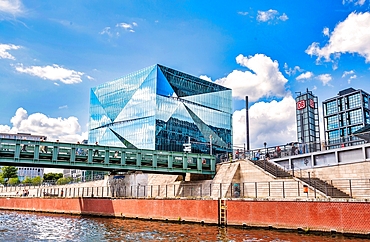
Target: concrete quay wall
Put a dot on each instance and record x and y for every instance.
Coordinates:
(341, 216)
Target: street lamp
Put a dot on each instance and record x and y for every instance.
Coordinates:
(265, 147)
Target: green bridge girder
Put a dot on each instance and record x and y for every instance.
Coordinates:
(28, 153)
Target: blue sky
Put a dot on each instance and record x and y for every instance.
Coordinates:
(53, 52)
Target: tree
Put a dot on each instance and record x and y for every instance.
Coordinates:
(27, 180)
(63, 181)
(36, 180)
(13, 181)
(9, 172)
(52, 176)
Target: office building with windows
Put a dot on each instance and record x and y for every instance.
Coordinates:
(159, 108)
(343, 116)
(308, 129)
(24, 172)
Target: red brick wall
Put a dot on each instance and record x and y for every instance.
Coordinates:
(188, 210)
(344, 217)
(351, 217)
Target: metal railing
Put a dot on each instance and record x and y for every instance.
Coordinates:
(354, 188)
(302, 148)
(102, 158)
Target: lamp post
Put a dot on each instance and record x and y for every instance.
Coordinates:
(265, 147)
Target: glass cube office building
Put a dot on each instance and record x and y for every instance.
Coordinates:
(159, 108)
(343, 116)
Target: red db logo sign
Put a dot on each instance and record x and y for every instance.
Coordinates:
(301, 104)
(312, 103)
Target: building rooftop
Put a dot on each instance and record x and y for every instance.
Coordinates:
(346, 91)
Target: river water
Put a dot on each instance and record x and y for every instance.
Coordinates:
(22, 226)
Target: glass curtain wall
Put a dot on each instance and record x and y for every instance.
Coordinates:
(161, 108)
(308, 130)
(344, 115)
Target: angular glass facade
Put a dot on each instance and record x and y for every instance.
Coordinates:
(344, 115)
(159, 108)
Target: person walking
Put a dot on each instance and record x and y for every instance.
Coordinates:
(96, 151)
(293, 150)
(278, 152)
(42, 147)
(258, 155)
(267, 156)
(24, 146)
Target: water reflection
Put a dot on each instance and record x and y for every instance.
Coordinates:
(21, 226)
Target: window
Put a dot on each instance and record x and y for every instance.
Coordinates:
(332, 122)
(331, 107)
(354, 101)
(366, 101)
(355, 116)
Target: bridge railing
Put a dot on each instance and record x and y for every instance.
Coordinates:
(96, 157)
(354, 188)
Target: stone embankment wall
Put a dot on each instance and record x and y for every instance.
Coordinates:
(342, 217)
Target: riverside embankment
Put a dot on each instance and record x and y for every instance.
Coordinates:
(348, 217)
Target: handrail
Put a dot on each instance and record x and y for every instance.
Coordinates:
(269, 189)
(104, 158)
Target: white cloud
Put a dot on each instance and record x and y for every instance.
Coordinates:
(283, 17)
(351, 72)
(291, 71)
(325, 79)
(273, 123)
(13, 7)
(90, 77)
(356, 2)
(351, 78)
(4, 129)
(206, 78)
(126, 26)
(350, 36)
(54, 73)
(4, 54)
(347, 73)
(305, 76)
(64, 129)
(265, 16)
(117, 29)
(106, 31)
(264, 79)
(243, 13)
(326, 32)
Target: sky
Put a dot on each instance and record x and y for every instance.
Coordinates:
(53, 52)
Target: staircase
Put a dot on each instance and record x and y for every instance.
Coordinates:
(324, 187)
(272, 168)
(315, 183)
(222, 181)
